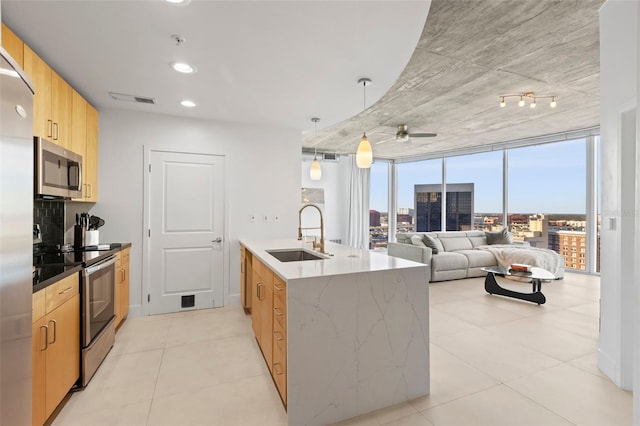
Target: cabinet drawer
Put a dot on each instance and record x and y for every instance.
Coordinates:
(279, 290)
(58, 293)
(125, 255)
(279, 373)
(279, 341)
(39, 305)
(118, 260)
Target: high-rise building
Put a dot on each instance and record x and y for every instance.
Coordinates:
(374, 218)
(459, 211)
(535, 231)
(572, 245)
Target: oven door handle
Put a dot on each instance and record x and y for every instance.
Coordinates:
(104, 264)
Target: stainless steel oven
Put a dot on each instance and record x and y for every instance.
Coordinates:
(97, 314)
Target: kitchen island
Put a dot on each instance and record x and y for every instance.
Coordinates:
(354, 329)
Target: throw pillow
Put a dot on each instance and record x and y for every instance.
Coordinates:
(499, 237)
(429, 241)
(416, 240)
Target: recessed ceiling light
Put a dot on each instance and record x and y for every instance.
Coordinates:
(179, 2)
(188, 103)
(183, 67)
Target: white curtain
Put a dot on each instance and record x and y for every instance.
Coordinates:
(358, 208)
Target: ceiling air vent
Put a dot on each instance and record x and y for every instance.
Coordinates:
(131, 98)
(328, 156)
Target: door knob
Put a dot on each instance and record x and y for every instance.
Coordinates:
(217, 240)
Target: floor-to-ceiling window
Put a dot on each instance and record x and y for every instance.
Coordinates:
(547, 198)
(474, 191)
(379, 205)
(419, 206)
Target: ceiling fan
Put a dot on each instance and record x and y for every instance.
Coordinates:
(403, 135)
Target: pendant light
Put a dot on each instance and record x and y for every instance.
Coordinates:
(315, 173)
(364, 154)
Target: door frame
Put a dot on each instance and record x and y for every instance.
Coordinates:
(146, 223)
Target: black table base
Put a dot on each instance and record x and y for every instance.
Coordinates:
(492, 287)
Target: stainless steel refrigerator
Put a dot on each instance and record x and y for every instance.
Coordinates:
(16, 222)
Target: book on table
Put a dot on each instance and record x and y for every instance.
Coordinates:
(519, 267)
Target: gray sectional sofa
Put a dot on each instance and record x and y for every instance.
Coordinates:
(457, 253)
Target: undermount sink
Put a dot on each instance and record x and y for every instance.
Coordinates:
(294, 255)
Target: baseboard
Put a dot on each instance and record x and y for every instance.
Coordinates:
(234, 299)
(608, 366)
(134, 311)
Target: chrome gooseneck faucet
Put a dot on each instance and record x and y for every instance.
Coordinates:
(316, 245)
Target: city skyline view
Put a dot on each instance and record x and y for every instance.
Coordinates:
(546, 178)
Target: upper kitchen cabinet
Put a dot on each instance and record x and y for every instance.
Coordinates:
(90, 166)
(84, 141)
(13, 45)
(51, 102)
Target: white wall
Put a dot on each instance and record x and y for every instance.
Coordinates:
(262, 178)
(618, 99)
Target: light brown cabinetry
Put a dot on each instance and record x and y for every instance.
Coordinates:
(261, 308)
(245, 277)
(269, 320)
(13, 45)
(55, 345)
(122, 285)
(279, 370)
(84, 141)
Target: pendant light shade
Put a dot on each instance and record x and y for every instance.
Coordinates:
(364, 154)
(315, 172)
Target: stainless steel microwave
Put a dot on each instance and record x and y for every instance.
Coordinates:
(58, 171)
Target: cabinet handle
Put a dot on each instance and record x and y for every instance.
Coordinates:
(277, 336)
(122, 273)
(55, 126)
(275, 368)
(55, 328)
(46, 337)
(90, 190)
(260, 295)
(50, 125)
(66, 290)
(276, 288)
(278, 312)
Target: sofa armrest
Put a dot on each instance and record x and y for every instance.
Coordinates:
(521, 243)
(410, 252)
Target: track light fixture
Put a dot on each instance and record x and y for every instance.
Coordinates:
(528, 95)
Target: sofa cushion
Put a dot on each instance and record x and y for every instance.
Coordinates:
(480, 240)
(434, 243)
(447, 261)
(416, 240)
(456, 243)
(479, 258)
(499, 237)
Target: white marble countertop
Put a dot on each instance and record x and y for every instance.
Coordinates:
(345, 260)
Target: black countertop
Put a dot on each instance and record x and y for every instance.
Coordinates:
(51, 267)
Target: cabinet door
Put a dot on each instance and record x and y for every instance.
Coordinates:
(79, 132)
(40, 75)
(13, 45)
(266, 314)
(124, 290)
(61, 97)
(63, 352)
(256, 304)
(91, 159)
(38, 378)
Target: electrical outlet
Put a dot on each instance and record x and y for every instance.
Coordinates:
(252, 218)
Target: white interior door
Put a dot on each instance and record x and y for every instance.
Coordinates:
(186, 249)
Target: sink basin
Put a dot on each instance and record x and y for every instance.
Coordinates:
(294, 255)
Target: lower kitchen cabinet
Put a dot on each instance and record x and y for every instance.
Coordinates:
(55, 345)
(245, 277)
(122, 285)
(269, 320)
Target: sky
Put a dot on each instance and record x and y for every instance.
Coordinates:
(549, 178)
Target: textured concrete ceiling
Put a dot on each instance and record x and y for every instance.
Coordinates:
(469, 54)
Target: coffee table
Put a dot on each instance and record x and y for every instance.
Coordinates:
(537, 275)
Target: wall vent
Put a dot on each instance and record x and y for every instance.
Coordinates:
(329, 156)
(131, 98)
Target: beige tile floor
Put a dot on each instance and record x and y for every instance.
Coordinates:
(494, 361)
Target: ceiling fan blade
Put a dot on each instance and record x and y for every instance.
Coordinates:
(423, 135)
(385, 140)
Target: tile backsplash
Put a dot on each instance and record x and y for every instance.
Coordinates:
(49, 214)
